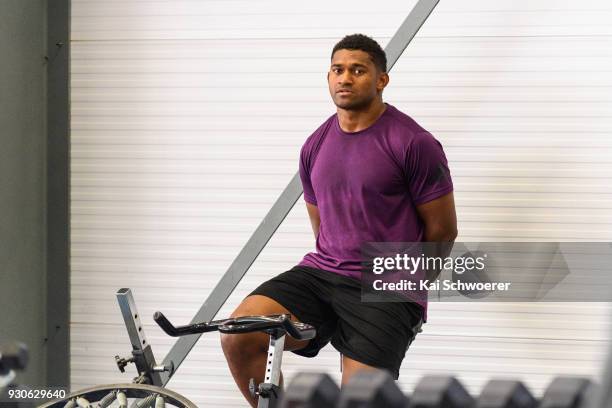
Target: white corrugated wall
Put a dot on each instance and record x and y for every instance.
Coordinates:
(187, 119)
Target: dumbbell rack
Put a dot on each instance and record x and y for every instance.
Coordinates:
(377, 389)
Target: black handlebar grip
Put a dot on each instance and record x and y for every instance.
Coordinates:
(165, 324)
(300, 331)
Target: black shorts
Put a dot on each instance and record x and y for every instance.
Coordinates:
(374, 333)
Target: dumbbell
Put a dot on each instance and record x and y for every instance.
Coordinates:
(505, 394)
(440, 392)
(311, 390)
(566, 392)
(372, 389)
(13, 356)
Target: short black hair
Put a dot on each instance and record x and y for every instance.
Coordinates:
(364, 43)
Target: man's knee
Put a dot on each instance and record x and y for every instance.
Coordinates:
(245, 346)
(250, 345)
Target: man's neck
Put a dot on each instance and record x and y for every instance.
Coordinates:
(353, 121)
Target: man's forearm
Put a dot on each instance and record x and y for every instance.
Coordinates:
(439, 244)
(440, 236)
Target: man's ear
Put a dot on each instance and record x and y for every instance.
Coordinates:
(383, 81)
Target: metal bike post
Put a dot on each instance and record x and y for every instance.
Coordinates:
(271, 384)
(141, 349)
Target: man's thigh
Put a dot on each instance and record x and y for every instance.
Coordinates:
(305, 293)
(259, 305)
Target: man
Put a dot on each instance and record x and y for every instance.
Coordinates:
(370, 174)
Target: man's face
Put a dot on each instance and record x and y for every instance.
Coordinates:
(354, 82)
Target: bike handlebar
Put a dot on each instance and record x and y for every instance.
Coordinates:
(245, 324)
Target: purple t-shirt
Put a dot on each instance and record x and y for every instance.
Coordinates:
(366, 185)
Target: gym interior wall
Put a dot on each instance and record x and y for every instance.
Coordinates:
(34, 291)
(187, 119)
(22, 181)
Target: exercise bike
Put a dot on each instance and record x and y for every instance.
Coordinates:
(276, 326)
(147, 388)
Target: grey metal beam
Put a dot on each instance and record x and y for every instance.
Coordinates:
(282, 207)
(57, 60)
(411, 25)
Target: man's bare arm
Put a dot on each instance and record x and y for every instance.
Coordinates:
(440, 222)
(315, 219)
(440, 219)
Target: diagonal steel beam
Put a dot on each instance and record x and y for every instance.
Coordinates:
(281, 207)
